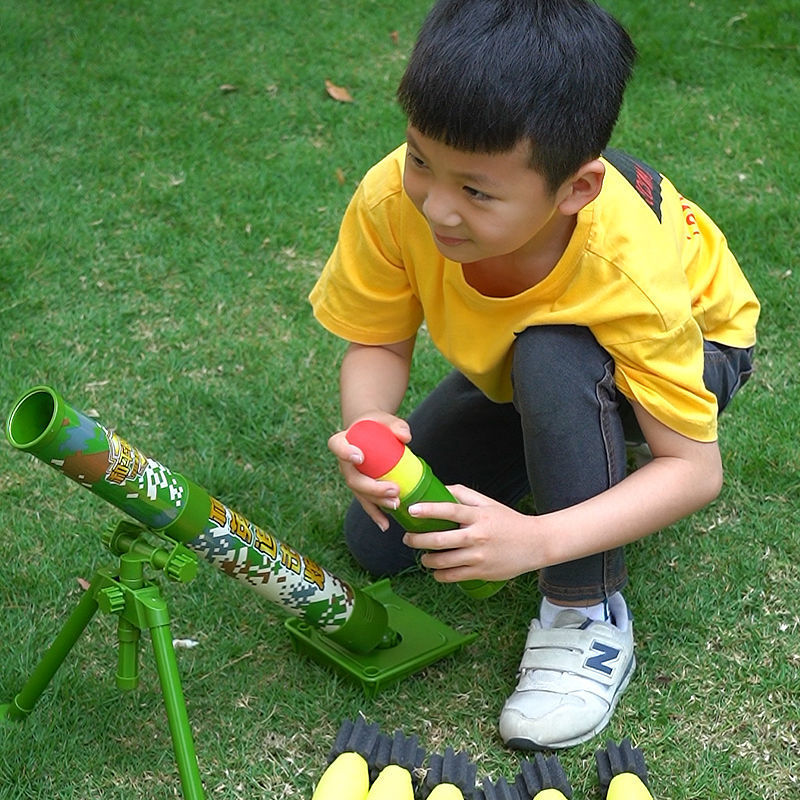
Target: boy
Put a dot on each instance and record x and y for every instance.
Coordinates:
(582, 301)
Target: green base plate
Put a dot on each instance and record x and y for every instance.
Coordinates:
(423, 640)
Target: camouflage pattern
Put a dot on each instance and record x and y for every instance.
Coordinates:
(42, 424)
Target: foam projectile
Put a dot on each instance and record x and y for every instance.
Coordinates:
(386, 458)
(622, 772)
(394, 764)
(347, 776)
(393, 783)
(543, 778)
(446, 791)
(450, 776)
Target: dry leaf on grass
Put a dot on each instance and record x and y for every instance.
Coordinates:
(338, 92)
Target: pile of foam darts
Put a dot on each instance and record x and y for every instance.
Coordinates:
(365, 764)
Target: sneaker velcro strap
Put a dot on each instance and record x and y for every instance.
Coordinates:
(576, 652)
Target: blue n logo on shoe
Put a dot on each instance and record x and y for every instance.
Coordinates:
(605, 654)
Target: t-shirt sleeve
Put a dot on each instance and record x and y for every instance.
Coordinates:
(664, 374)
(364, 294)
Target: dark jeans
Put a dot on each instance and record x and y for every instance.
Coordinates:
(562, 439)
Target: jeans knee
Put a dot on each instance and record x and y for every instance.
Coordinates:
(552, 362)
(570, 408)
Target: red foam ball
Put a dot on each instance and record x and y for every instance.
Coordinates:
(381, 448)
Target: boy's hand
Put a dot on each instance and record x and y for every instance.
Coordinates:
(492, 542)
(371, 494)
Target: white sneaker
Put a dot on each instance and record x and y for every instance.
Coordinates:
(570, 679)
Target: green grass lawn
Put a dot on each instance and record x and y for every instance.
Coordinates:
(172, 176)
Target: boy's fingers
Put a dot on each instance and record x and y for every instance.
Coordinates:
(401, 430)
(343, 450)
(375, 514)
(435, 540)
(467, 496)
(380, 493)
(454, 512)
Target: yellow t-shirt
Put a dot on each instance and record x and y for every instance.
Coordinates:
(645, 270)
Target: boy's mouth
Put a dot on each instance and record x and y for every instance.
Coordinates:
(448, 241)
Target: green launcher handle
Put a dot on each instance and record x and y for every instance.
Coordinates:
(44, 425)
(386, 458)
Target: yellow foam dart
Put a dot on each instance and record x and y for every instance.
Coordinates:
(628, 786)
(347, 778)
(446, 791)
(622, 771)
(393, 783)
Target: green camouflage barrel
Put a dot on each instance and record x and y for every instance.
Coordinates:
(42, 424)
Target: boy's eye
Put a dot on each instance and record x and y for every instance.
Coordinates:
(415, 160)
(476, 194)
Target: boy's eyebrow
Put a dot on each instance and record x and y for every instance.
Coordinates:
(468, 177)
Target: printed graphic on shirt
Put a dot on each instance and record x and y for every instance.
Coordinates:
(641, 176)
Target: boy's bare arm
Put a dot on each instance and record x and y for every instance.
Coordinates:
(373, 381)
(496, 542)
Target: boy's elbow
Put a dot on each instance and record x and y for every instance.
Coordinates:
(715, 482)
(712, 480)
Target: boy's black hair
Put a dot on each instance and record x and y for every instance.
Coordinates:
(486, 74)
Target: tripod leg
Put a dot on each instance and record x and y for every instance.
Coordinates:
(171, 689)
(127, 663)
(23, 703)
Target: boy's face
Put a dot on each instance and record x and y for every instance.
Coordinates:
(479, 205)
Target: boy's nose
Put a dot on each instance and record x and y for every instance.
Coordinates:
(440, 210)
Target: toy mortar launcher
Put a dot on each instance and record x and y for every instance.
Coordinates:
(371, 635)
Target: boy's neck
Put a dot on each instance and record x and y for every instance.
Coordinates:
(514, 273)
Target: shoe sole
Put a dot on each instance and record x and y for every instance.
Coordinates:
(517, 743)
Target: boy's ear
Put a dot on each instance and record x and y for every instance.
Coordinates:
(579, 190)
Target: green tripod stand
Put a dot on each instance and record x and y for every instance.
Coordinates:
(139, 606)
